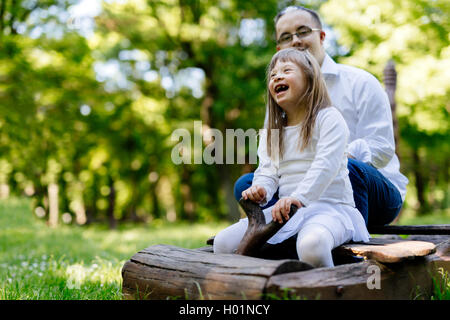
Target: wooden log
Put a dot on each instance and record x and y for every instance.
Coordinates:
(165, 272)
(409, 279)
(437, 229)
(441, 258)
(436, 239)
(356, 281)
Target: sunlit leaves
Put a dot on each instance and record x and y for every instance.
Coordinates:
(415, 34)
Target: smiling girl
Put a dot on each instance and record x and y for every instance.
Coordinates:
(311, 172)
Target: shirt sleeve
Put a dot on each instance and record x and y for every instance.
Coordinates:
(360, 150)
(266, 175)
(330, 153)
(374, 130)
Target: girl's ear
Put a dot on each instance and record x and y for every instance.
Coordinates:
(278, 48)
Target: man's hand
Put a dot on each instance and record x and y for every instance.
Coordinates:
(350, 156)
(255, 193)
(283, 207)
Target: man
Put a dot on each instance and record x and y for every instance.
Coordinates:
(378, 186)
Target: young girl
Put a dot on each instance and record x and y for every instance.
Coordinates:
(308, 165)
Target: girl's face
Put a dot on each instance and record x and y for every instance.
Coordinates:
(287, 84)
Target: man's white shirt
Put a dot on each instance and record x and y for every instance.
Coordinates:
(364, 104)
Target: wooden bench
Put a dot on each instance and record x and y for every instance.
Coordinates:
(405, 269)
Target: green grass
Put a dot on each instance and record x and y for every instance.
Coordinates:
(69, 262)
(441, 286)
(409, 217)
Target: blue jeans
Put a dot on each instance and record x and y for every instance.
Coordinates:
(376, 198)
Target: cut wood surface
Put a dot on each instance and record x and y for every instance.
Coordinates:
(388, 251)
(164, 272)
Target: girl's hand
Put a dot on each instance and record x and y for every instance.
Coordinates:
(283, 207)
(255, 193)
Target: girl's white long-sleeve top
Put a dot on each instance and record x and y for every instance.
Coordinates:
(319, 172)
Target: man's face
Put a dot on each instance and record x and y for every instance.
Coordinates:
(292, 21)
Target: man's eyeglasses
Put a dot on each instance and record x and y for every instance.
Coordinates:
(301, 33)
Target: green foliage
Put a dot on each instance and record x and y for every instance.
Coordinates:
(414, 34)
(94, 113)
(111, 139)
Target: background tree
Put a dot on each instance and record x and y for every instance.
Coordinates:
(415, 35)
(91, 91)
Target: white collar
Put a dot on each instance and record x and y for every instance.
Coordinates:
(329, 66)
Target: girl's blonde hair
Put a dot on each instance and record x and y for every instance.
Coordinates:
(313, 100)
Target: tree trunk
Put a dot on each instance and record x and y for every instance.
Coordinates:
(112, 205)
(156, 212)
(4, 191)
(80, 213)
(419, 181)
(186, 194)
(130, 213)
(53, 190)
(2, 15)
(390, 82)
(227, 185)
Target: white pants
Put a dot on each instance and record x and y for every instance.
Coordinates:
(315, 240)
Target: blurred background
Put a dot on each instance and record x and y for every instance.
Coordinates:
(91, 91)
